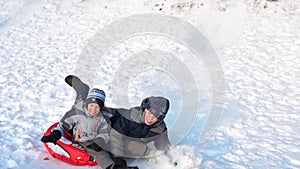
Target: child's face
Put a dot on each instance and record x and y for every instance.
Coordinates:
(149, 118)
(93, 109)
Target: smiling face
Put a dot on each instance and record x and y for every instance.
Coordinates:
(93, 109)
(149, 118)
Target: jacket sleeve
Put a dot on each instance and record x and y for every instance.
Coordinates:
(162, 142)
(117, 136)
(68, 121)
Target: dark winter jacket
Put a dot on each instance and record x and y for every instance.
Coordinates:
(130, 135)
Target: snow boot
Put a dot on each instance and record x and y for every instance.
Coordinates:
(121, 167)
(81, 88)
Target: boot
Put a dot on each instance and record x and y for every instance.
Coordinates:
(113, 166)
(81, 88)
(120, 163)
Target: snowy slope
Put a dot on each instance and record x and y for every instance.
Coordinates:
(257, 43)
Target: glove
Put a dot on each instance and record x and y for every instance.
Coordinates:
(94, 146)
(53, 137)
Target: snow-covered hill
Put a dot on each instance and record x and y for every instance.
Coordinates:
(256, 44)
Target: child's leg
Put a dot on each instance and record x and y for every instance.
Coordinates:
(103, 158)
(81, 88)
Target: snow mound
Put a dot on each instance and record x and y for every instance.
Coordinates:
(179, 157)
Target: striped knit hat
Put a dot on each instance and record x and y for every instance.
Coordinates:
(96, 96)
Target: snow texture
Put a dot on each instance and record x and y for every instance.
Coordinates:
(257, 43)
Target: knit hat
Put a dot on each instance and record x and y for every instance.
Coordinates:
(158, 106)
(96, 96)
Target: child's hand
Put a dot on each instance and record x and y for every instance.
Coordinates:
(53, 137)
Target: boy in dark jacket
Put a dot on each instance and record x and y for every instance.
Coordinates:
(133, 129)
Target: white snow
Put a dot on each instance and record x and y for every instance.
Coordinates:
(257, 43)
